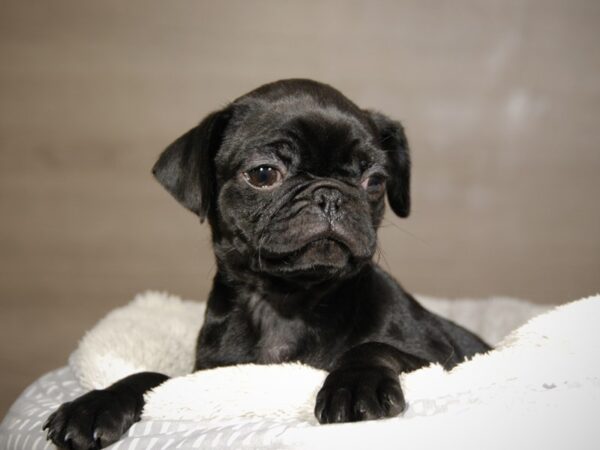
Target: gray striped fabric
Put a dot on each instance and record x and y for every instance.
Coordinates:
(21, 429)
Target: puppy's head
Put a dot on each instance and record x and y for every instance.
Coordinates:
(292, 178)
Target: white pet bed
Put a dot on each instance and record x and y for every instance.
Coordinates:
(538, 389)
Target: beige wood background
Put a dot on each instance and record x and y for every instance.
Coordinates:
(501, 100)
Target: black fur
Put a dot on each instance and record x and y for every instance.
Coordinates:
(295, 278)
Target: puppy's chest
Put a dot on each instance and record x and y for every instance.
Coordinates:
(278, 339)
(277, 346)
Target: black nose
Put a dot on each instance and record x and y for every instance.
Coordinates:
(328, 199)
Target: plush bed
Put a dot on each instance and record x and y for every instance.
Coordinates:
(538, 389)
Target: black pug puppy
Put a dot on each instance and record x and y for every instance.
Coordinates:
(292, 177)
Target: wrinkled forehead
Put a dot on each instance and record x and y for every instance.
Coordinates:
(311, 137)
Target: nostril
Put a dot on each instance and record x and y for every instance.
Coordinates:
(328, 200)
(321, 200)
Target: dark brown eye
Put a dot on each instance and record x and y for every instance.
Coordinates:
(375, 184)
(263, 176)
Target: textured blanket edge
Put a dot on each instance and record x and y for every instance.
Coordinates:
(555, 349)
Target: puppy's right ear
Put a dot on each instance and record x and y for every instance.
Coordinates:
(186, 167)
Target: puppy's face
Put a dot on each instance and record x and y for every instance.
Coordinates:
(292, 177)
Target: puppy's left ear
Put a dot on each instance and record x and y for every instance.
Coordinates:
(393, 140)
(186, 167)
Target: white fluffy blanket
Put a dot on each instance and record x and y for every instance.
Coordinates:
(539, 387)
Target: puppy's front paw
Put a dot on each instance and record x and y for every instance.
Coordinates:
(92, 421)
(358, 393)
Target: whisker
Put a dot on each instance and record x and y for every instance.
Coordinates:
(395, 225)
(381, 253)
(260, 244)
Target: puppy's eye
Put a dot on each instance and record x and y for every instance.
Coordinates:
(374, 185)
(263, 176)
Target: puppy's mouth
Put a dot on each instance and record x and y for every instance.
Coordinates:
(320, 243)
(324, 254)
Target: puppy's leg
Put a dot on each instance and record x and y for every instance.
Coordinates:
(99, 418)
(364, 384)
